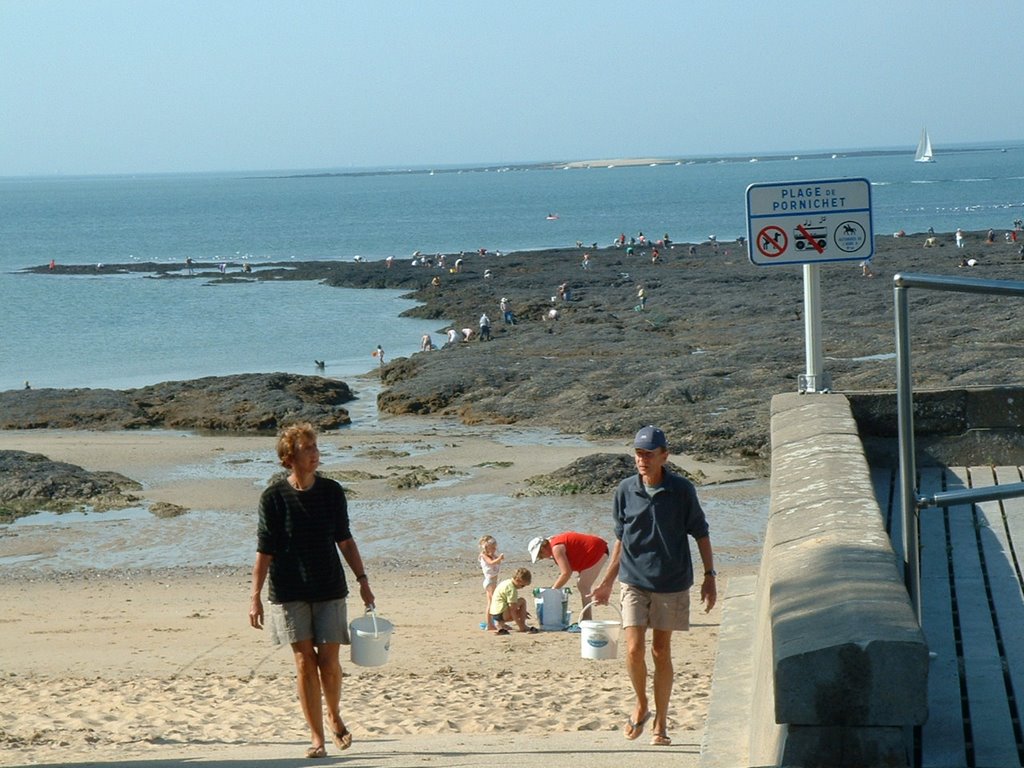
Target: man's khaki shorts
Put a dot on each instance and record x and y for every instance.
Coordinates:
(657, 610)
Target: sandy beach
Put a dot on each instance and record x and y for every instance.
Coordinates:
(129, 662)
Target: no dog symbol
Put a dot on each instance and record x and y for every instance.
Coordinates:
(772, 241)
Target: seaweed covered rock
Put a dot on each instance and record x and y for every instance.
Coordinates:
(597, 473)
(243, 403)
(249, 402)
(30, 482)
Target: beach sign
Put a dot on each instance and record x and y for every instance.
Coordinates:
(801, 222)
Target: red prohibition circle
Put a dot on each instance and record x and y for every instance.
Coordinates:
(772, 241)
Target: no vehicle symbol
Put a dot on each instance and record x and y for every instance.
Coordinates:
(772, 241)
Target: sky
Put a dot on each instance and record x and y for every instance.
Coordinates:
(136, 86)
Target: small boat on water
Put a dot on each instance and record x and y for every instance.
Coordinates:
(924, 152)
(552, 216)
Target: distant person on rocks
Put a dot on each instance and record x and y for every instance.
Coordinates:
(379, 354)
(959, 238)
(453, 337)
(990, 238)
(655, 511)
(641, 298)
(303, 524)
(485, 327)
(573, 552)
(426, 343)
(507, 316)
(189, 265)
(586, 261)
(467, 334)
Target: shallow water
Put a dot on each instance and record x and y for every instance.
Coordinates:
(406, 529)
(398, 531)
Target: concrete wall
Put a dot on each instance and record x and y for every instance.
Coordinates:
(840, 662)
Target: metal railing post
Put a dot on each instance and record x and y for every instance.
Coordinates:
(908, 467)
(905, 412)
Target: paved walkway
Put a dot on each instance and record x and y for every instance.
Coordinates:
(972, 613)
(604, 749)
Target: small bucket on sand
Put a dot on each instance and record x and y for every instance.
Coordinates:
(371, 639)
(599, 639)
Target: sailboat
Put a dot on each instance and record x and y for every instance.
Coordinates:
(924, 149)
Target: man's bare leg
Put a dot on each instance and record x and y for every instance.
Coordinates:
(636, 666)
(661, 652)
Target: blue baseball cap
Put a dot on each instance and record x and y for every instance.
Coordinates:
(650, 439)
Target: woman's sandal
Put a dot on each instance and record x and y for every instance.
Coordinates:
(633, 730)
(342, 739)
(660, 740)
(316, 751)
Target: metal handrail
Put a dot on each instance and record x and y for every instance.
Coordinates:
(912, 502)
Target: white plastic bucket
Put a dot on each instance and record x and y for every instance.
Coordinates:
(371, 640)
(599, 639)
(552, 606)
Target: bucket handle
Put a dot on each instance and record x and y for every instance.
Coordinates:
(372, 610)
(594, 602)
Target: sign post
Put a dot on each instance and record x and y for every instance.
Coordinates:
(808, 222)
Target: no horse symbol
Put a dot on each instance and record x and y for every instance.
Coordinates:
(850, 236)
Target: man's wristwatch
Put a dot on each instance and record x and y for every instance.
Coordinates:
(712, 572)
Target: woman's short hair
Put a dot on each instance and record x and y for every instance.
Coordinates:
(288, 440)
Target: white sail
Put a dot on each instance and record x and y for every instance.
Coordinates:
(924, 148)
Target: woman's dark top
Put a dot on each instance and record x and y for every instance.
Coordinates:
(301, 530)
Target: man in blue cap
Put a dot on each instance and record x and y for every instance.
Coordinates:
(655, 511)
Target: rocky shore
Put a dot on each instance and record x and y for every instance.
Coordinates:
(717, 337)
(243, 403)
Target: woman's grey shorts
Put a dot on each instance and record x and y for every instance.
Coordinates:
(322, 622)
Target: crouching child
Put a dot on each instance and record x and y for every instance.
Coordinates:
(507, 605)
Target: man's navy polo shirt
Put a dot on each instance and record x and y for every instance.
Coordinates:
(653, 530)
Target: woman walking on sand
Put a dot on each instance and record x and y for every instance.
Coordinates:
(303, 523)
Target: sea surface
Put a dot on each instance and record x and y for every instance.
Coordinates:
(119, 331)
(107, 330)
